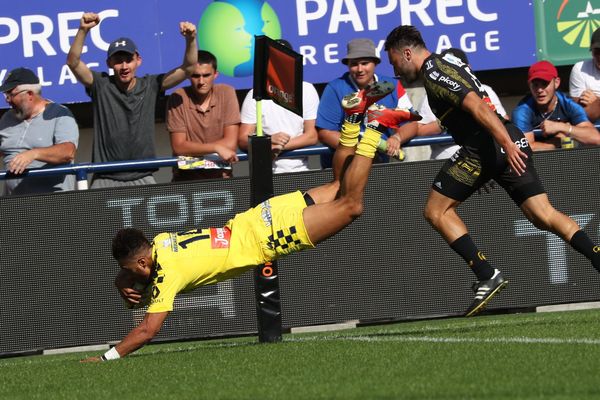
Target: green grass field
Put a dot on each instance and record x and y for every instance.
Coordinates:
(523, 356)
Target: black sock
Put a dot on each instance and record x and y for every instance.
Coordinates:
(583, 244)
(475, 259)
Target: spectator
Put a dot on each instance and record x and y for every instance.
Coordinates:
(288, 130)
(35, 133)
(551, 111)
(124, 104)
(584, 83)
(361, 61)
(204, 118)
(443, 151)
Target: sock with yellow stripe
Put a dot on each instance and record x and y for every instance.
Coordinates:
(349, 133)
(369, 142)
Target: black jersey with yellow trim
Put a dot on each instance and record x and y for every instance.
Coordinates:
(447, 81)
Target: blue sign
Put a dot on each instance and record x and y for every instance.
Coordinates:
(37, 34)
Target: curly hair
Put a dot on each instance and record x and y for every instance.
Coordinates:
(127, 242)
(404, 36)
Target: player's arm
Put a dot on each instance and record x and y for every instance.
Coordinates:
(79, 69)
(482, 113)
(138, 337)
(190, 58)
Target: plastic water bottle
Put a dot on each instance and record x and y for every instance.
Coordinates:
(398, 155)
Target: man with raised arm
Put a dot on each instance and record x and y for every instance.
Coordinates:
(124, 104)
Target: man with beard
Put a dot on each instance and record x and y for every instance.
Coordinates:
(492, 148)
(35, 133)
(124, 104)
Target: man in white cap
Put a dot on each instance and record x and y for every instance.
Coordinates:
(361, 60)
(35, 133)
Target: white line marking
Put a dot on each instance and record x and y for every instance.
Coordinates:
(432, 339)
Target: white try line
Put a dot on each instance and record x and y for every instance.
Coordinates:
(433, 339)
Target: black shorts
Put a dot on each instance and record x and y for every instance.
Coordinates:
(481, 159)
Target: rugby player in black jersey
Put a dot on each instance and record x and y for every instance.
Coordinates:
(491, 148)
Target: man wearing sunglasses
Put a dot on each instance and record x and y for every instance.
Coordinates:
(35, 133)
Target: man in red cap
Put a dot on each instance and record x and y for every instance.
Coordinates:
(557, 116)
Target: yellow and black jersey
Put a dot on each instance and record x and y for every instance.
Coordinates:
(186, 260)
(447, 81)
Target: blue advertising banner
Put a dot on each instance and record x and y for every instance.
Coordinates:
(37, 34)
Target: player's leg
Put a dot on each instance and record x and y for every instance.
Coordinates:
(544, 216)
(440, 211)
(325, 219)
(355, 105)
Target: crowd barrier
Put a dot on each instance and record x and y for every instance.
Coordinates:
(57, 270)
(81, 171)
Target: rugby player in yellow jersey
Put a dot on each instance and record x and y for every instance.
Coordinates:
(179, 262)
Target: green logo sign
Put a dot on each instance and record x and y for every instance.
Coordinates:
(564, 29)
(227, 29)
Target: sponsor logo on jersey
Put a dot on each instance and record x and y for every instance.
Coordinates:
(454, 86)
(522, 143)
(265, 213)
(434, 75)
(219, 238)
(438, 184)
(429, 65)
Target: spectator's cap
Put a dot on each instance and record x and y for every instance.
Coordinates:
(458, 53)
(19, 76)
(123, 44)
(595, 40)
(542, 70)
(361, 48)
(285, 43)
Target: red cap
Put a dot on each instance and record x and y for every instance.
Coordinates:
(542, 70)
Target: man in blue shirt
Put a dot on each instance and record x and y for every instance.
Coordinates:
(557, 116)
(361, 61)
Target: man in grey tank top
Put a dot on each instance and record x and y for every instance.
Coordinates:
(124, 104)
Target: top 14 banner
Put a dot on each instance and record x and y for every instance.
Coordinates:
(37, 34)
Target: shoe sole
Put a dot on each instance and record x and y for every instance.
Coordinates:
(353, 99)
(481, 306)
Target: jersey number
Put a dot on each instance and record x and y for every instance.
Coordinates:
(192, 239)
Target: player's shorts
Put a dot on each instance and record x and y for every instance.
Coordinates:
(276, 225)
(481, 159)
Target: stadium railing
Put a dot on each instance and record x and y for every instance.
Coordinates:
(82, 170)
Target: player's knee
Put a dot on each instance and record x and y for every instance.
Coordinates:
(353, 207)
(432, 215)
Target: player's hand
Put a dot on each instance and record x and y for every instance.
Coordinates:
(91, 359)
(187, 29)
(587, 97)
(515, 158)
(89, 20)
(226, 154)
(21, 161)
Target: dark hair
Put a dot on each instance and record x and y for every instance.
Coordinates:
(206, 57)
(127, 242)
(404, 36)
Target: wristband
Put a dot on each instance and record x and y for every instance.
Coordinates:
(570, 130)
(111, 354)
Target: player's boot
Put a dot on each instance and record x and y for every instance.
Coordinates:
(359, 102)
(389, 117)
(484, 291)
